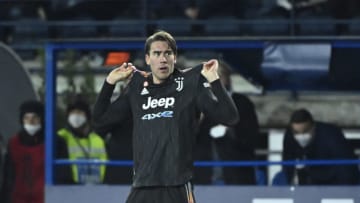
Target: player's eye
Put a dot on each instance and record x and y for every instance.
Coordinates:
(156, 53)
(168, 53)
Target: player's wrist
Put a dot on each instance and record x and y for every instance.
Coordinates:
(110, 81)
(212, 78)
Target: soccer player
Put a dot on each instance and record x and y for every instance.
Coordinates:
(165, 106)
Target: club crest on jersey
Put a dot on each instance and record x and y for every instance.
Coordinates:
(180, 83)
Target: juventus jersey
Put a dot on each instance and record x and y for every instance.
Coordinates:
(165, 120)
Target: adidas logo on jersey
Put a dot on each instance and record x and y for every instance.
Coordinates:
(144, 91)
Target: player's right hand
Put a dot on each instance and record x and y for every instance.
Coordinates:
(120, 73)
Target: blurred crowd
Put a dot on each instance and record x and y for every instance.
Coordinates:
(22, 156)
(222, 12)
(157, 9)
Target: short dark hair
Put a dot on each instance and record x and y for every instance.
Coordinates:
(161, 36)
(32, 106)
(301, 116)
(80, 105)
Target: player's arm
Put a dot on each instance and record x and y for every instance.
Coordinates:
(213, 100)
(106, 113)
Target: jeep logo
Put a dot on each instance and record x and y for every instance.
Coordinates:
(162, 102)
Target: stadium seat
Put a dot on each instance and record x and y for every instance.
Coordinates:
(176, 26)
(319, 25)
(354, 27)
(28, 36)
(279, 179)
(223, 26)
(126, 27)
(77, 31)
(270, 26)
(260, 177)
(29, 30)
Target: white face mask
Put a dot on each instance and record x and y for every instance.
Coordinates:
(218, 131)
(76, 120)
(32, 129)
(303, 139)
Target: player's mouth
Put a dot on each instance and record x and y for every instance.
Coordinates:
(163, 69)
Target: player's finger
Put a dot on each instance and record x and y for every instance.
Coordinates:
(143, 73)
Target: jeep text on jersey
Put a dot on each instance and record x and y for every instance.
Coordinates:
(161, 102)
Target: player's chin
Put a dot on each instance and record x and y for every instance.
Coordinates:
(162, 76)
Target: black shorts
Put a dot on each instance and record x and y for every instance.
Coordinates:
(168, 194)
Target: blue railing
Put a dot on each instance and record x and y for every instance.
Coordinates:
(219, 163)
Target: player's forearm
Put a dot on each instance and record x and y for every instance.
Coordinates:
(102, 102)
(226, 109)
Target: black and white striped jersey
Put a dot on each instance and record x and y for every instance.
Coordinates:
(165, 121)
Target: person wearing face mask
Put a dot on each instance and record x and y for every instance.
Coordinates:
(82, 143)
(23, 178)
(306, 139)
(228, 143)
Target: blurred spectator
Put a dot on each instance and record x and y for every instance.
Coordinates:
(82, 144)
(104, 10)
(286, 7)
(343, 10)
(20, 10)
(23, 178)
(228, 143)
(207, 9)
(306, 139)
(14, 10)
(95, 10)
(159, 9)
(221, 9)
(339, 10)
(196, 10)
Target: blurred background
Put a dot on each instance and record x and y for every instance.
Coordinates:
(284, 55)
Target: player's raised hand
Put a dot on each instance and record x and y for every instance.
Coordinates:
(120, 73)
(209, 70)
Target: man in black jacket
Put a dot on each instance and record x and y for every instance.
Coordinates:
(306, 139)
(228, 143)
(165, 106)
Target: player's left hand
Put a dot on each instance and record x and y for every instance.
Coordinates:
(210, 70)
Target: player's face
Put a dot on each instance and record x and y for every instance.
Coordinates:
(161, 60)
